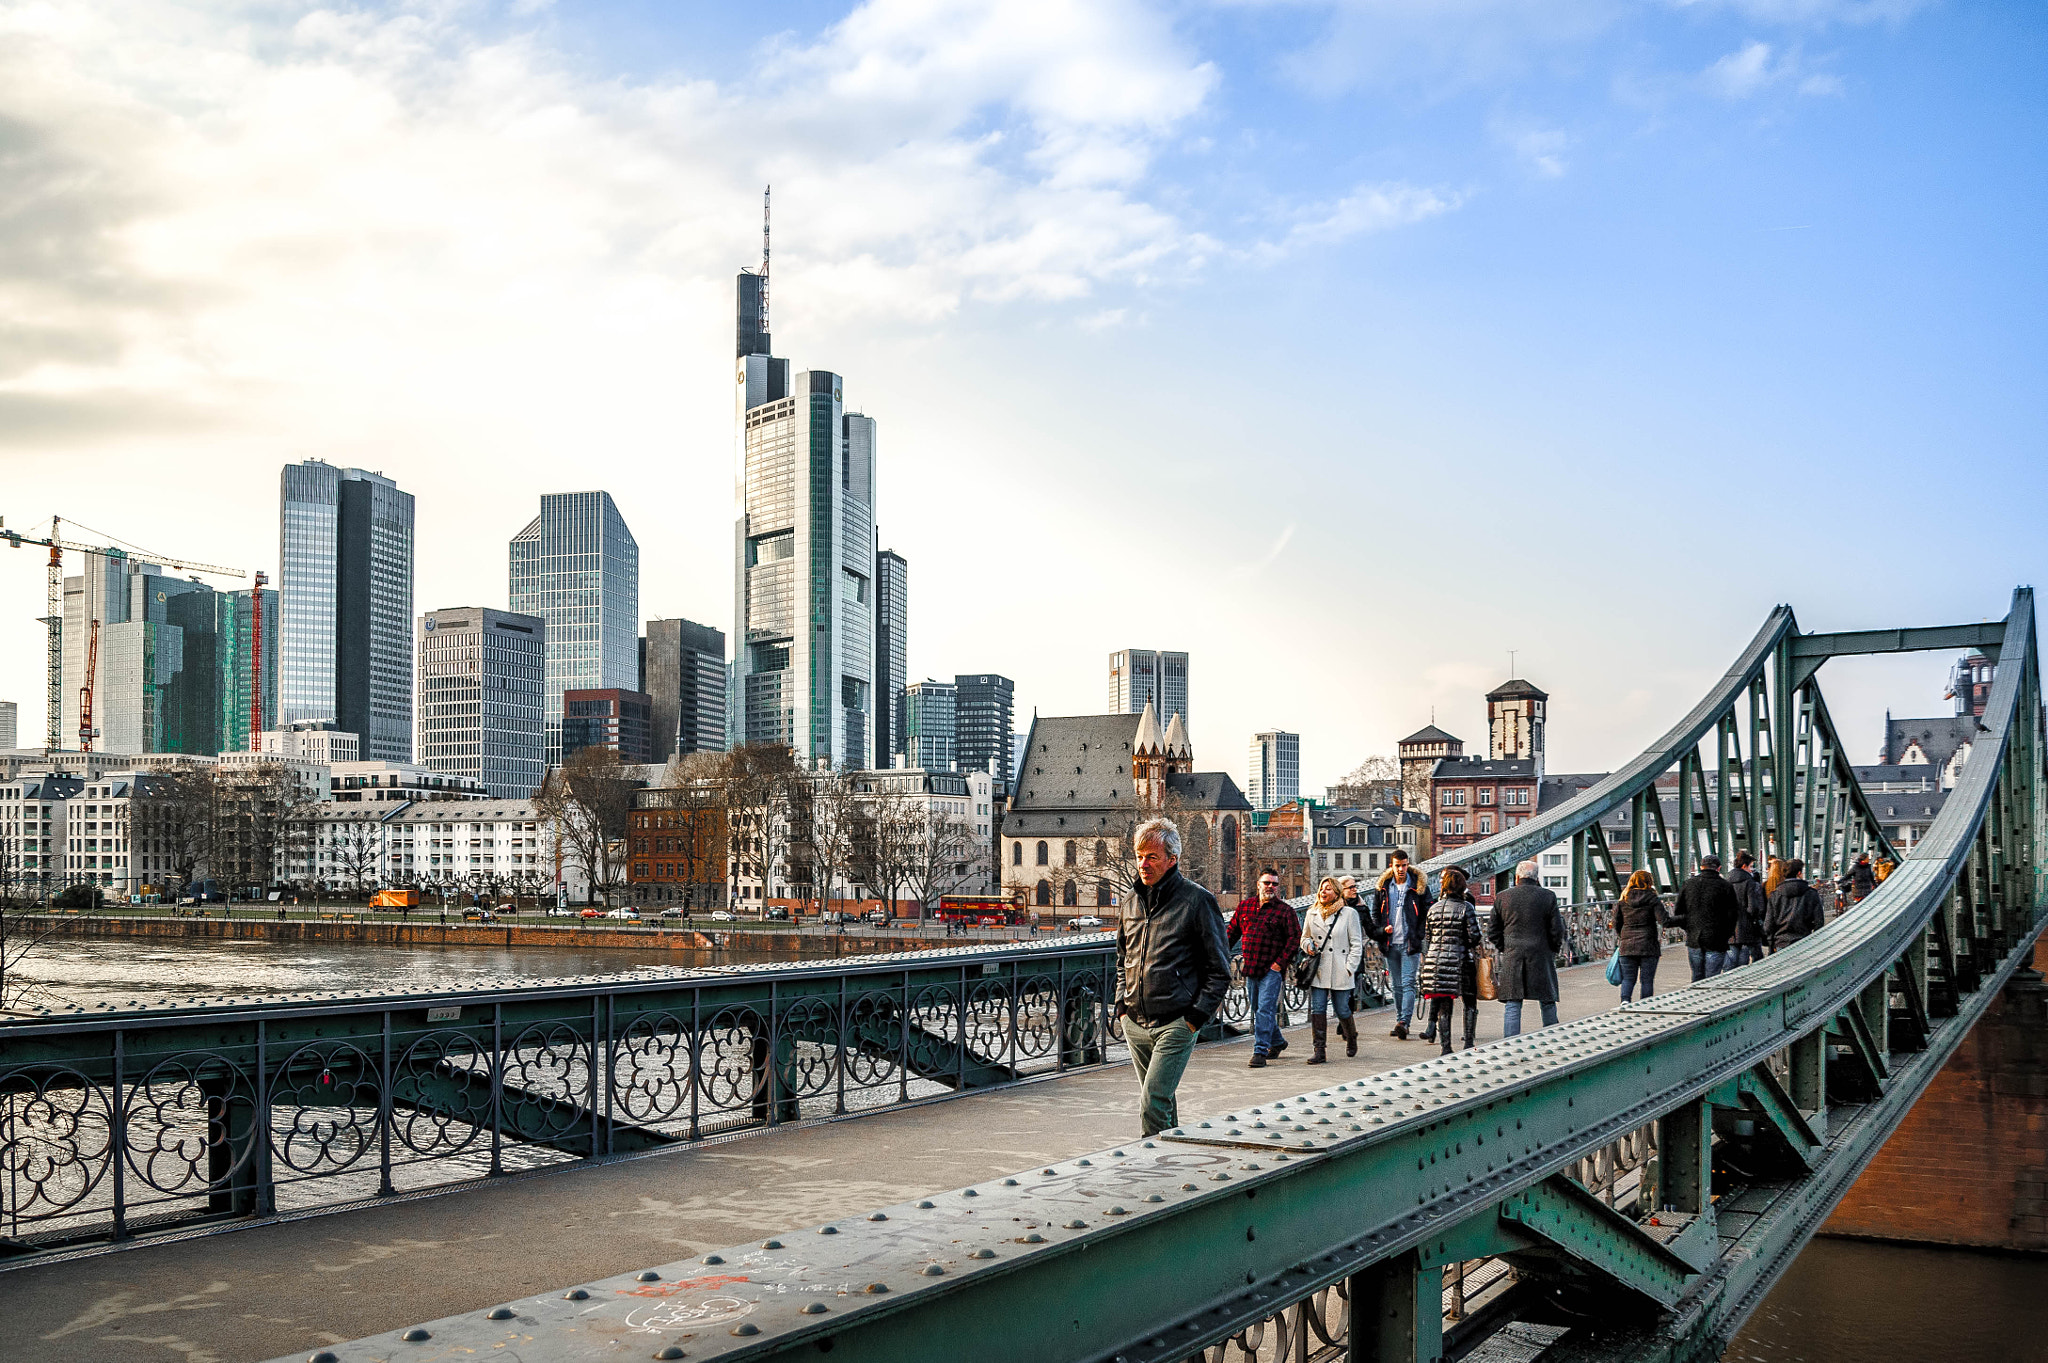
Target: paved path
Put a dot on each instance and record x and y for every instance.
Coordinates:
(288, 1288)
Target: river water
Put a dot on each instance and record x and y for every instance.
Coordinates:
(1843, 1301)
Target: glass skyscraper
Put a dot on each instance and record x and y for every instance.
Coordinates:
(577, 567)
(234, 622)
(892, 656)
(345, 544)
(1137, 675)
(682, 668)
(482, 674)
(804, 549)
(931, 728)
(985, 708)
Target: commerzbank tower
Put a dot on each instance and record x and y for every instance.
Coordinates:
(804, 552)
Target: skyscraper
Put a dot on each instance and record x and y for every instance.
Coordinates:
(345, 540)
(804, 554)
(481, 677)
(931, 725)
(157, 684)
(7, 724)
(577, 567)
(986, 705)
(892, 658)
(1138, 675)
(234, 623)
(1275, 769)
(682, 668)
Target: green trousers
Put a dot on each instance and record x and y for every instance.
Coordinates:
(1159, 1055)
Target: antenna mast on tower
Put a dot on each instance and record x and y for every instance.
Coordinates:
(765, 192)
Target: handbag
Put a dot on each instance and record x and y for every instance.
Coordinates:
(1302, 973)
(1614, 967)
(1487, 990)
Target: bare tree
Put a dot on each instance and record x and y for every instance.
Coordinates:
(356, 846)
(587, 800)
(1373, 784)
(941, 849)
(759, 781)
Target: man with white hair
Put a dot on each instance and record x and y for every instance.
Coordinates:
(1171, 969)
(1529, 930)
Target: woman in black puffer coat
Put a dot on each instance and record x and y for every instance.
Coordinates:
(1638, 921)
(1450, 953)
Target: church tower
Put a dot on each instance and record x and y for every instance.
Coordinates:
(1514, 723)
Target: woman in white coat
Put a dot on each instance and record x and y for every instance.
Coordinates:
(1330, 936)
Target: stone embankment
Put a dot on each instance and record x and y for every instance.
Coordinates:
(698, 946)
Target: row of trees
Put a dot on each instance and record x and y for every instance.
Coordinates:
(756, 814)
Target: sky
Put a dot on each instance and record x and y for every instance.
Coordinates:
(1348, 345)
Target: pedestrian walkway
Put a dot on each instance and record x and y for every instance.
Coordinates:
(290, 1287)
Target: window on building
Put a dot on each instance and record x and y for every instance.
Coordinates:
(1044, 855)
(1070, 895)
(1101, 852)
(1485, 824)
(1073, 854)
(1044, 895)
(1102, 894)
(1485, 796)
(1447, 823)
(1016, 854)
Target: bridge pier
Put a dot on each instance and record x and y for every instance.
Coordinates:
(1969, 1166)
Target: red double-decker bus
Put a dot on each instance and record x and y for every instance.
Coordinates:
(981, 910)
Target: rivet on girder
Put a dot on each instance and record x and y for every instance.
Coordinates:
(648, 1275)
(934, 1271)
(576, 1294)
(814, 1308)
(418, 1334)
(500, 1313)
(771, 1244)
(713, 1259)
(746, 1327)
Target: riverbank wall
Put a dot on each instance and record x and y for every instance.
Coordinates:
(692, 946)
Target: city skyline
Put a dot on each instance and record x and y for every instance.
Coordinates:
(1644, 251)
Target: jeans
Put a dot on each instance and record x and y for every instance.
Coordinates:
(1635, 968)
(1318, 996)
(1159, 1055)
(1401, 966)
(1511, 1015)
(1706, 964)
(1741, 955)
(1265, 994)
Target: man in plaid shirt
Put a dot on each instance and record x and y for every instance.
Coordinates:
(1267, 933)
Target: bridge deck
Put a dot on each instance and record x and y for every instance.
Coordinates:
(292, 1286)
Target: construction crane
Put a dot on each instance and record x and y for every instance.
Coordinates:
(86, 733)
(54, 621)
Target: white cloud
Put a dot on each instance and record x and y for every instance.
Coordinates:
(1369, 208)
(1741, 73)
(1542, 149)
(209, 212)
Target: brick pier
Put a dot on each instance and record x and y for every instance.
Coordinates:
(1969, 1165)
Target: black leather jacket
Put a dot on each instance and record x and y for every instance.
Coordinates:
(1170, 959)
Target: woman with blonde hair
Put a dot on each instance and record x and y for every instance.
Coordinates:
(1638, 917)
(1332, 939)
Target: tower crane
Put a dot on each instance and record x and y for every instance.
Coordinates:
(54, 662)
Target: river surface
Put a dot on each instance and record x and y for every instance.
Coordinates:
(1842, 1301)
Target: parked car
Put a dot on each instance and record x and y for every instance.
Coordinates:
(671, 912)
(833, 916)
(626, 914)
(877, 915)
(1084, 923)
(557, 911)
(721, 916)
(587, 913)
(478, 916)
(777, 913)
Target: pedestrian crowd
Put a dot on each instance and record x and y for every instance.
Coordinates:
(1176, 955)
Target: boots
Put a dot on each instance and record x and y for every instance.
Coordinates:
(1400, 1032)
(1319, 1036)
(1471, 1026)
(1348, 1029)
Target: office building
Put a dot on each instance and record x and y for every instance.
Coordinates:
(153, 641)
(577, 567)
(345, 546)
(1141, 676)
(931, 726)
(892, 658)
(1275, 769)
(9, 720)
(235, 624)
(480, 693)
(804, 554)
(984, 707)
(609, 717)
(682, 670)
(314, 741)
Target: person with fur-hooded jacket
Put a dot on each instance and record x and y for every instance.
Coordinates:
(1397, 909)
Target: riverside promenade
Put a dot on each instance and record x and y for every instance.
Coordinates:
(291, 1286)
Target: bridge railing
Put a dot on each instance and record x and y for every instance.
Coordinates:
(1649, 1170)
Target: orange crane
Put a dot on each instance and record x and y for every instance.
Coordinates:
(256, 663)
(86, 733)
(53, 726)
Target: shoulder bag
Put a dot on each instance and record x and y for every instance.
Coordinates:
(1303, 973)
